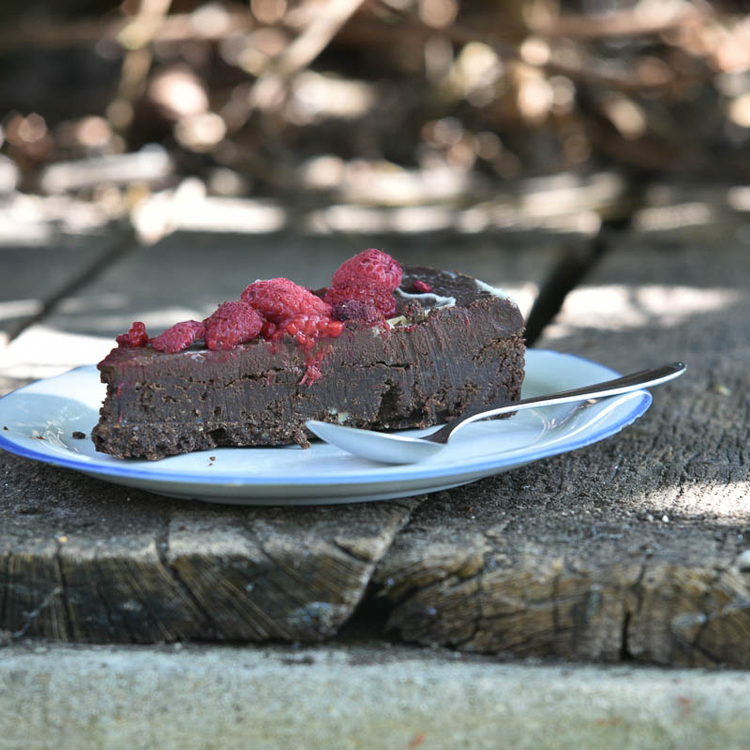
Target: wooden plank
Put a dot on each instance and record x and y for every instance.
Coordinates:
(82, 560)
(32, 273)
(281, 574)
(76, 557)
(37, 264)
(628, 549)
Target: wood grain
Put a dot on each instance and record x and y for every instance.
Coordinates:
(86, 561)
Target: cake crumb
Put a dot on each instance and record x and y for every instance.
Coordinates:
(78, 435)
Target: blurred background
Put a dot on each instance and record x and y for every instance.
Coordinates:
(370, 103)
(448, 127)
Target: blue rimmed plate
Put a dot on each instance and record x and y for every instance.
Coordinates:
(38, 422)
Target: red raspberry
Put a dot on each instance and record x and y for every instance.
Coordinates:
(136, 336)
(364, 313)
(421, 287)
(279, 300)
(312, 373)
(334, 328)
(233, 323)
(178, 337)
(370, 267)
(290, 308)
(381, 298)
(306, 329)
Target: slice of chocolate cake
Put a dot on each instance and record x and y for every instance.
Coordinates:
(441, 351)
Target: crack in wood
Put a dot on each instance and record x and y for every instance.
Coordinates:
(556, 597)
(162, 551)
(5, 559)
(68, 619)
(344, 549)
(425, 617)
(28, 621)
(625, 655)
(625, 652)
(121, 246)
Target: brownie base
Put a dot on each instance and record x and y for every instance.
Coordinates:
(426, 370)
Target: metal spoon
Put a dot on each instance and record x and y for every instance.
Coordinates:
(393, 448)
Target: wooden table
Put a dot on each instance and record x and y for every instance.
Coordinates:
(630, 549)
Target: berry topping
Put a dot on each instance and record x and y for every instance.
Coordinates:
(364, 313)
(233, 323)
(421, 287)
(136, 336)
(178, 337)
(280, 300)
(290, 308)
(307, 328)
(312, 372)
(382, 299)
(371, 267)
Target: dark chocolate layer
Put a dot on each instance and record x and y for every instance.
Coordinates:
(433, 365)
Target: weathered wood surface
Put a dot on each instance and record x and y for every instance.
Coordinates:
(37, 263)
(31, 273)
(82, 560)
(628, 549)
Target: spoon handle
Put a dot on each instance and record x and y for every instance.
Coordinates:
(625, 384)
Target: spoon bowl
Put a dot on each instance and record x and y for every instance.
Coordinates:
(393, 448)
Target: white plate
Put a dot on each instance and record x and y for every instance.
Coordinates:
(40, 419)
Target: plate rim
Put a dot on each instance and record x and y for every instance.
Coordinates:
(387, 473)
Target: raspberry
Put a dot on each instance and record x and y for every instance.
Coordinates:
(307, 328)
(136, 336)
(268, 331)
(381, 298)
(421, 287)
(231, 324)
(312, 373)
(364, 313)
(290, 308)
(370, 267)
(178, 337)
(279, 300)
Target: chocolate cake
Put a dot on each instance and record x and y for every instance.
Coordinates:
(457, 346)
